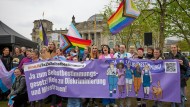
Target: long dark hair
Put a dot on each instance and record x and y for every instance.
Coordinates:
(107, 47)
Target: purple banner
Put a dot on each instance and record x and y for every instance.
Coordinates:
(155, 80)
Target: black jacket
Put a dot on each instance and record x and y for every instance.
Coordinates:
(183, 68)
(7, 61)
(19, 86)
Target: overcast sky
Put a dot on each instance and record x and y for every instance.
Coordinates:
(20, 14)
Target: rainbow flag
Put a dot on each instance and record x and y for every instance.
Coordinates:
(73, 31)
(81, 43)
(118, 21)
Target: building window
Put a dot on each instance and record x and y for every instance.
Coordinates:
(38, 40)
(86, 36)
(111, 44)
(49, 39)
(111, 37)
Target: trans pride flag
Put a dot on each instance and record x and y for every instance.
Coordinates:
(6, 78)
(73, 32)
(123, 17)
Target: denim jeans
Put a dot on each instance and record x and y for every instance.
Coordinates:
(182, 104)
(74, 102)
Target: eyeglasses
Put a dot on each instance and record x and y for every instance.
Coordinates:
(94, 48)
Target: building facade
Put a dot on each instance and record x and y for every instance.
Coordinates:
(92, 29)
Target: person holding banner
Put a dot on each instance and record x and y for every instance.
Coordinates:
(51, 50)
(117, 48)
(123, 54)
(112, 51)
(43, 54)
(174, 54)
(150, 52)
(26, 59)
(140, 102)
(78, 53)
(35, 58)
(94, 52)
(106, 54)
(59, 55)
(74, 102)
(157, 56)
(86, 56)
(18, 90)
(50, 55)
(132, 51)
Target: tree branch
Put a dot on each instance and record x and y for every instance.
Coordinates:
(160, 4)
(150, 10)
(170, 3)
(148, 15)
(182, 8)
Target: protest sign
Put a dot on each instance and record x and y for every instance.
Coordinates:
(99, 79)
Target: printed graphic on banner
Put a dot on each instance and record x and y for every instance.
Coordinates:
(115, 78)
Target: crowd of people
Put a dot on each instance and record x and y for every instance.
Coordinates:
(23, 55)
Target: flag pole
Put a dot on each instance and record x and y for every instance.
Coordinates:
(43, 15)
(94, 41)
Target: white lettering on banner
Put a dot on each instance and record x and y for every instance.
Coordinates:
(41, 74)
(40, 65)
(38, 83)
(32, 76)
(142, 64)
(36, 92)
(72, 73)
(52, 80)
(156, 67)
(54, 87)
(61, 81)
(85, 81)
